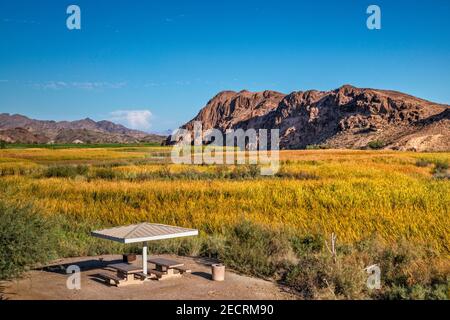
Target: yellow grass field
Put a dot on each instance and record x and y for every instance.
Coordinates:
(351, 193)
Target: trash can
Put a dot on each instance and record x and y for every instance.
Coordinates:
(129, 258)
(218, 272)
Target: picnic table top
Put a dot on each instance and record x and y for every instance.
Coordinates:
(165, 262)
(126, 267)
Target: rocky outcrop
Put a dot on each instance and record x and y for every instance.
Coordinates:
(228, 108)
(347, 117)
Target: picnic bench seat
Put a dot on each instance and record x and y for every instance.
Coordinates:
(108, 277)
(162, 275)
(143, 276)
(157, 273)
(183, 269)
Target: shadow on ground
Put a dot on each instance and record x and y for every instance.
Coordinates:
(85, 265)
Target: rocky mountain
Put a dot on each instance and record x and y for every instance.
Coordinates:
(21, 129)
(347, 117)
(228, 108)
(21, 135)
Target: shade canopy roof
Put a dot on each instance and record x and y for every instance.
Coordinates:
(143, 232)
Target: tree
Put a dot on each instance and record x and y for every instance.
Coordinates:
(2, 144)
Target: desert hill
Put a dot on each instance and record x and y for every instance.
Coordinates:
(347, 117)
(21, 129)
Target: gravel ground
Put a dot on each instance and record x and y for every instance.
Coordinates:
(50, 284)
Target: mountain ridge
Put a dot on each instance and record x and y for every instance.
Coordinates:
(17, 128)
(346, 117)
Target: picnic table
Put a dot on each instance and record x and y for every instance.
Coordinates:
(126, 271)
(166, 268)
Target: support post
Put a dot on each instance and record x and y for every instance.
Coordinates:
(144, 258)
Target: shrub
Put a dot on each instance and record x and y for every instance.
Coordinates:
(249, 171)
(316, 275)
(301, 175)
(65, 171)
(423, 163)
(2, 144)
(26, 239)
(440, 169)
(317, 147)
(307, 244)
(408, 271)
(307, 276)
(376, 144)
(440, 166)
(105, 173)
(253, 249)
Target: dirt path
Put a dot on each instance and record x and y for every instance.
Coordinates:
(50, 284)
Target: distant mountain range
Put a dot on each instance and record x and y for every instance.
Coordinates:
(347, 117)
(21, 129)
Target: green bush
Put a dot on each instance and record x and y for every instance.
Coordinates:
(308, 276)
(440, 169)
(105, 173)
(376, 144)
(26, 239)
(307, 244)
(66, 171)
(423, 163)
(2, 144)
(253, 249)
(301, 175)
(440, 165)
(317, 147)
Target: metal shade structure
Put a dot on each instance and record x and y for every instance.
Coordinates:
(143, 232)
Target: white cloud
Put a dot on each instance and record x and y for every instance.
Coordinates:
(58, 85)
(134, 119)
(98, 85)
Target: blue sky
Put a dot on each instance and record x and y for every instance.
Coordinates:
(168, 58)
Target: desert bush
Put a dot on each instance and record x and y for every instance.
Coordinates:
(408, 271)
(317, 147)
(104, 173)
(66, 171)
(26, 239)
(423, 163)
(253, 249)
(376, 144)
(111, 164)
(10, 169)
(317, 275)
(307, 277)
(240, 172)
(440, 170)
(307, 244)
(299, 175)
(440, 165)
